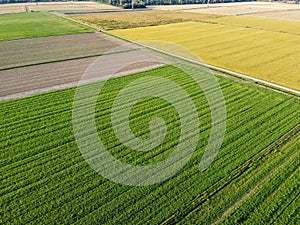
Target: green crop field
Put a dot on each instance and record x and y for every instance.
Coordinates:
(31, 25)
(45, 180)
(257, 51)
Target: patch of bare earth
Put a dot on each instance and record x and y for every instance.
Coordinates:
(21, 82)
(47, 49)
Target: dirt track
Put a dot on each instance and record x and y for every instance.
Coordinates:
(46, 49)
(20, 82)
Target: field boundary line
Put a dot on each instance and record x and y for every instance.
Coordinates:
(254, 188)
(219, 185)
(259, 82)
(68, 59)
(74, 84)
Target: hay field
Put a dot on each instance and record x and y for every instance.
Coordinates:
(138, 19)
(268, 55)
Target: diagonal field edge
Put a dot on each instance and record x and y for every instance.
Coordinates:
(261, 82)
(66, 59)
(73, 84)
(241, 76)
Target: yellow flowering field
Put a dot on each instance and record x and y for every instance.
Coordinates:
(269, 55)
(285, 26)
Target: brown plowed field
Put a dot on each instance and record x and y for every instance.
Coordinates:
(16, 83)
(46, 49)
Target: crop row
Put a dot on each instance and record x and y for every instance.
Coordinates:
(240, 189)
(46, 179)
(275, 193)
(240, 49)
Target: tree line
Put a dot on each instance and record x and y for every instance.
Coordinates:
(137, 2)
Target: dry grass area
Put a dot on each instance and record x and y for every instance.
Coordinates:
(259, 9)
(283, 15)
(194, 6)
(77, 7)
(12, 8)
(140, 19)
(268, 55)
(70, 7)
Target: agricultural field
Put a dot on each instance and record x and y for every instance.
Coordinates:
(138, 19)
(66, 88)
(29, 51)
(69, 7)
(268, 201)
(283, 15)
(45, 179)
(19, 82)
(198, 6)
(12, 8)
(269, 55)
(283, 26)
(229, 8)
(32, 25)
(270, 10)
(242, 8)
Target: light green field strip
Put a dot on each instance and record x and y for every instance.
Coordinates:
(276, 25)
(267, 55)
(45, 180)
(31, 25)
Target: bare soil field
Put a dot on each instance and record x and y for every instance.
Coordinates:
(283, 15)
(20, 82)
(62, 7)
(46, 49)
(260, 9)
(193, 6)
(12, 8)
(71, 7)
